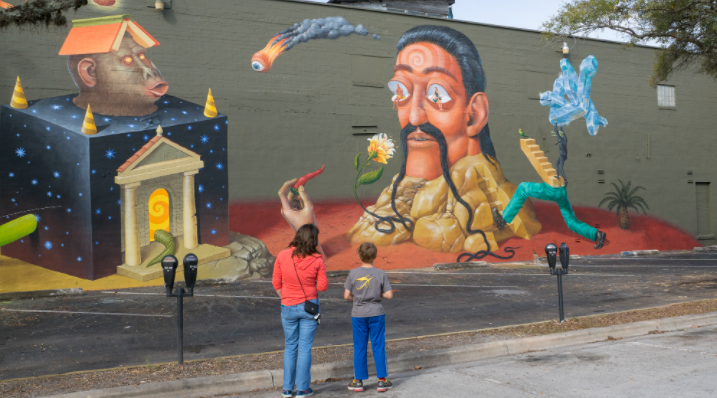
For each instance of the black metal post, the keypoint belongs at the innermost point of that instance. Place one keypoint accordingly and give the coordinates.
(180, 325)
(560, 295)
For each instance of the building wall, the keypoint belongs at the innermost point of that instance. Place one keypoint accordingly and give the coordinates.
(323, 99)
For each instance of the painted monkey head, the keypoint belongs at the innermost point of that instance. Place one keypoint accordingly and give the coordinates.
(118, 83)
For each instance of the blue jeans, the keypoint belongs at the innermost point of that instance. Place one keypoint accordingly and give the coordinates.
(299, 329)
(374, 326)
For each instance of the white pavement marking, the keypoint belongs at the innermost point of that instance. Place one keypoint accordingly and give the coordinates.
(497, 273)
(86, 313)
(664, 347)
(405, 284)
(196, 295)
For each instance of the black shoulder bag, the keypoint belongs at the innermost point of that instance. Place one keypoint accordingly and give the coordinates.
(309, 307)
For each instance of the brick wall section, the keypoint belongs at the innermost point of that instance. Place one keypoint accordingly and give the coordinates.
(300, 114)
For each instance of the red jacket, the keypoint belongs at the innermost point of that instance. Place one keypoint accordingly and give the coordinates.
(311, 270)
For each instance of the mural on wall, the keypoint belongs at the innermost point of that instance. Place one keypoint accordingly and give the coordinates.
(310, 29)
(121, 173)
(450, 195)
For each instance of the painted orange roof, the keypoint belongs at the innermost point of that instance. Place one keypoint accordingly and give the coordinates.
(96, 39)
(144, 149)
(5, 5)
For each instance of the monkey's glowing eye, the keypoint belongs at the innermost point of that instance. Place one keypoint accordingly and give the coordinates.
(142, 57)
(257, 66)
(127, 60)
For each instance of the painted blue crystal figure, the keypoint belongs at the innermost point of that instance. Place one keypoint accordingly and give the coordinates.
(570, 98)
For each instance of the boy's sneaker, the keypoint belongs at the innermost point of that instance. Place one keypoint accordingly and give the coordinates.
(304, 393)
(287, 394)
(384, 385)
(356, 385)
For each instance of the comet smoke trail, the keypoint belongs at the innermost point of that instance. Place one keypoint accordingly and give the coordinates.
(323, 28)
(26, 211)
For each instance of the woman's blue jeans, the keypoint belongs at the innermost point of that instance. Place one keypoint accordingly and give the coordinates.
(299, 329)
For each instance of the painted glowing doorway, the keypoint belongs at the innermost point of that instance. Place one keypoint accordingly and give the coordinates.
(158, 212)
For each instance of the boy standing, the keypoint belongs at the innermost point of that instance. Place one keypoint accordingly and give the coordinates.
(365, 286)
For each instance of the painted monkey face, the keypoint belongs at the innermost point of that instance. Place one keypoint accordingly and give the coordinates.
(428, 88)
(131, 67)
(119, 83)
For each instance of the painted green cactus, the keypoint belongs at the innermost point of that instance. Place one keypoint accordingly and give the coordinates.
(17, 229)
(170, 247)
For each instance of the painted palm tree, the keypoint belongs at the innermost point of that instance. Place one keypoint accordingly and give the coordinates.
(623, 198)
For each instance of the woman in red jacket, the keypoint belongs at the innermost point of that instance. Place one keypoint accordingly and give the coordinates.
(299, 274)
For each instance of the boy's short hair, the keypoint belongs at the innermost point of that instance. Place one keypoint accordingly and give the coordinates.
(367, 252)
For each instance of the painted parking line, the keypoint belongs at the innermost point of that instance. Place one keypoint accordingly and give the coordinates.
(496, 273)
(406, 284)
(196, 295)
(86, 313)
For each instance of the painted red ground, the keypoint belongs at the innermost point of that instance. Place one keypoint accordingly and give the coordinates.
(264, 221)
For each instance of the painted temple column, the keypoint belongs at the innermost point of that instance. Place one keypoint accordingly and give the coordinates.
(132, 255)
(190, 211)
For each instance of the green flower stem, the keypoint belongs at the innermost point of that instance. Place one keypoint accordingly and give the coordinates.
(371, 156)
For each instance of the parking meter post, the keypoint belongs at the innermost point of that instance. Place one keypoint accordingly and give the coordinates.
(560, 295)
(180, 326)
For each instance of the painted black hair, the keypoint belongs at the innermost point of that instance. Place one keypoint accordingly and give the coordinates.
(464, 51)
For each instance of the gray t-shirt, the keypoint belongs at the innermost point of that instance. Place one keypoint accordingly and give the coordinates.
(366, 285)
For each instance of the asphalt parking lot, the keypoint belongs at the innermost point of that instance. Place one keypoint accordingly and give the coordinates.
(103, 329)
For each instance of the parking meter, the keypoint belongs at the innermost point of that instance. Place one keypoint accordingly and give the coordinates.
(190, 270)
(564, 256)
(169, 268)
(551, 251)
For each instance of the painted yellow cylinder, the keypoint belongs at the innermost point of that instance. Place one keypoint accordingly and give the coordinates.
(17, 229)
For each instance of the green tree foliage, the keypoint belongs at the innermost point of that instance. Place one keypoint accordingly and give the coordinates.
(685, 29)
(39, 12)
(623, 198)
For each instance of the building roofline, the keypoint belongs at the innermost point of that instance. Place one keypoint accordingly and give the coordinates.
(464, 22)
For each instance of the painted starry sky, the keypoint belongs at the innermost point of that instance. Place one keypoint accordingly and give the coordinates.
(50, 169)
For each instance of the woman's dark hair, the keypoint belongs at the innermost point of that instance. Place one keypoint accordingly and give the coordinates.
(305, 241)
(464, 51)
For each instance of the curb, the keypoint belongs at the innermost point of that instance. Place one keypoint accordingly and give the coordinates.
(41, 293)
(268, 379)
(333, 274)
(706, 249)
(640, 253)
(469, 265)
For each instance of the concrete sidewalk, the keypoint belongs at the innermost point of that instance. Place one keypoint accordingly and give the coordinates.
(230, 384)
(675, 364)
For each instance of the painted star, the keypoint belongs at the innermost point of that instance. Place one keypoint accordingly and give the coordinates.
(216, 127)
(47, 228)
(48, 245)
(20, 152)
(37, 218)
(55, 107)
(119, 202)
(69, 210)
(74, 117)
(11, 174)
(214, 232)
(107, 119)
(204, 139)
(201, 188)
(209, 205)
(189, 127)
(48, 147)
(79, 258)
(47, 128)
(146, 138)
(220, 166)
(56, 174)
(110, 153)
(98, 211)
(49, 194)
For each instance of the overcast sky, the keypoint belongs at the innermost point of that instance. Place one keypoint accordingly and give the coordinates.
(527, 14)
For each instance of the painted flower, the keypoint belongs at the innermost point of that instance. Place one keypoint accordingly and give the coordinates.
(382, 146)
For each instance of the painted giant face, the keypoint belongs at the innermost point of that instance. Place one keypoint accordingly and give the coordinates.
(428, 88)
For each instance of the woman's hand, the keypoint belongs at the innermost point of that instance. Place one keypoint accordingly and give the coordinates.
(296, 217)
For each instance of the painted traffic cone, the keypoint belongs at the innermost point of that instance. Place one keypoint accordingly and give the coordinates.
(210, 109)
(88, 125)
(18, 97)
